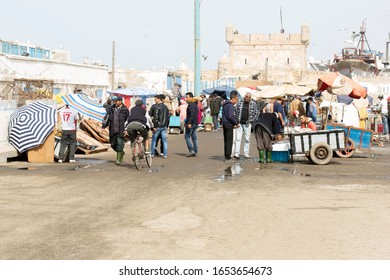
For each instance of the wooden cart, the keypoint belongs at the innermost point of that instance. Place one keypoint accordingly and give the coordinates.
(356, 138)
(318, 146)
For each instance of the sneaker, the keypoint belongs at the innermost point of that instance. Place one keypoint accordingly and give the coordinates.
(190, 154)
(72, 161)
(60, 161)
(236, 156)
(247, 156)
(165, 157)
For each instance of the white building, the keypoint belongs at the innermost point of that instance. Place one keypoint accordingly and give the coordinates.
(24, 66)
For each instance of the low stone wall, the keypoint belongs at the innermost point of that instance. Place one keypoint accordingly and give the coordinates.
(7, 107)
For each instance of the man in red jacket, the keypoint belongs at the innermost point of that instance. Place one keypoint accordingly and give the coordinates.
(307, 122)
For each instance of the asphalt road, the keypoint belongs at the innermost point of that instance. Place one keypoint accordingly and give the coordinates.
(196, 208)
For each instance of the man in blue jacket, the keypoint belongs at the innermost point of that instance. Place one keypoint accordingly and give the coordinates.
(229, 122)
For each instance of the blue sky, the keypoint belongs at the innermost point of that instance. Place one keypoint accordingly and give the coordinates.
(161, 33)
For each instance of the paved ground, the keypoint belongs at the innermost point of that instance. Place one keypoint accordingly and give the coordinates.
(193, 208)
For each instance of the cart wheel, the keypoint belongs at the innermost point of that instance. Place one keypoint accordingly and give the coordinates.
(321, 153)
(348, 151)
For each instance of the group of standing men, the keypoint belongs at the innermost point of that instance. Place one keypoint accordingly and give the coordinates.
(240, 115)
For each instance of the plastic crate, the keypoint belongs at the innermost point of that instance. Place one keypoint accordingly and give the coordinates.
(174, 121)
(281, 156)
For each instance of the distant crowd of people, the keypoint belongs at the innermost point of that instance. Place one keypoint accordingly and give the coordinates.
(238, 117)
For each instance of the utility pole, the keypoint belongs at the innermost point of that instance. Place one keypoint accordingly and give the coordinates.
(197, 79)
(113, 67)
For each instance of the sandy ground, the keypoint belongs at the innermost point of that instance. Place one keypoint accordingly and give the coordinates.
(196, 208)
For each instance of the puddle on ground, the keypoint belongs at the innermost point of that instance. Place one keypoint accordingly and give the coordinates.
(27, 168)
(83, 164)
(293, 172)
(86, 161)
(79, 167)
(283, 168)
(230, 173)
(154, 170)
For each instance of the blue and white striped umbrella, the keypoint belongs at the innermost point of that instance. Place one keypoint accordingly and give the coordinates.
(30, 125)
(85, 105)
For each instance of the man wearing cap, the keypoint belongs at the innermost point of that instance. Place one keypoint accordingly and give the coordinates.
(116, 118)
(138, 122)
(69, 119)
(383, 107)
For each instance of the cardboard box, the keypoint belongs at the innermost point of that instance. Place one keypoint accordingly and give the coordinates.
(44, 153)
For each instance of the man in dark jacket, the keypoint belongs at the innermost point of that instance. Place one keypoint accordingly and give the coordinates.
(116, 118)
(229, 122)
(160, 118)
(215, 107)
(266, 126)
(138, 123)
(191, 125)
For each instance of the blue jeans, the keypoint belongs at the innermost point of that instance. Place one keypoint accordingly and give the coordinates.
(215, 121)
(385, 124)
(191, 133)
(164, 139)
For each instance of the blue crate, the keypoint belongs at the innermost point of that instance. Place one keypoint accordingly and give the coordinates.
(281, 156)
(174, 121)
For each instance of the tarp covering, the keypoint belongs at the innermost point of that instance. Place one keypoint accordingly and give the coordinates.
(85, 105)
(141, 92)
(222, 91)
(282, 91)
(339, 84)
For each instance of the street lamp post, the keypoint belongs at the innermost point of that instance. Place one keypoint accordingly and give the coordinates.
(197, 78)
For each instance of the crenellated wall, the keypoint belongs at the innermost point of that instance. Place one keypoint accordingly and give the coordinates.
(274, 56)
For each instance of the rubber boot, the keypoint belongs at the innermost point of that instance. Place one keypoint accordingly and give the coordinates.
(119, 158)
(269, 156)
(261, 156)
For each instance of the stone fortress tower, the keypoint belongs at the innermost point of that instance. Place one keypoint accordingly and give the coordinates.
(269, 57)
